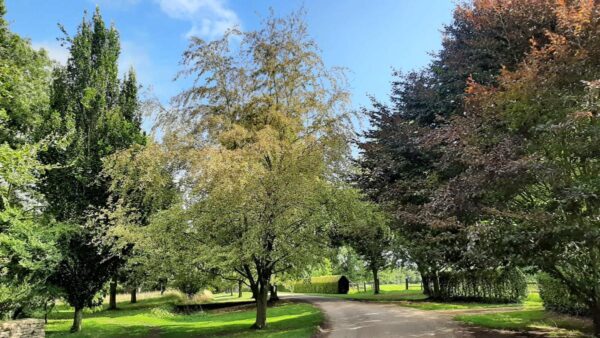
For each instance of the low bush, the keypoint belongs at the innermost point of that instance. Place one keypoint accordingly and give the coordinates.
(197, 298)
(556, 297)
(323, 284)
(492, 286)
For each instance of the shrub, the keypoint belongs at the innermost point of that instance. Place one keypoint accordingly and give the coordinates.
(197, 298)
(188, 283)
(497, 285)
(556, 297)
(323, 284)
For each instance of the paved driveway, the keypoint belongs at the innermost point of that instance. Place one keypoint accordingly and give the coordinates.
(354, 319)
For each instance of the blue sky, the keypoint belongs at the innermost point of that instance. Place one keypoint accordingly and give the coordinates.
(367, 37)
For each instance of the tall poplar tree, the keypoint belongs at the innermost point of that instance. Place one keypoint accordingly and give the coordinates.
(104, 114)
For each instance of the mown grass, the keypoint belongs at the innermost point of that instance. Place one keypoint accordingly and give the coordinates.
(531, 316)
(414, 298)
(392, 292)
(153, 317)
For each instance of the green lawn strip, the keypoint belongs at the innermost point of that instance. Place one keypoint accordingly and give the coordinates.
(153, 317)
(533, 302)
(417, 300)
(385, 295)
(226, 297)
(530, 320)
(438, 306)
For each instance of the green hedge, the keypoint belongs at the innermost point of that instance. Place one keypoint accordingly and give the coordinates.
(557, 297)
(493, 286)
(323, 284)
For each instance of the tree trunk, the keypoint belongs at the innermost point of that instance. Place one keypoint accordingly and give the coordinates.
(425, 283)
(134, 296)
(163, 285)
(77, 318)
(112, 302)
(261, 306)
(436, 286)
(240, 289)
(596, 319)
(274, 297)
(375, 281)
(17, 313)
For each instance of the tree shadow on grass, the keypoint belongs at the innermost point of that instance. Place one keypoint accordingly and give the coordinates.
(127, 309)
(290, 320)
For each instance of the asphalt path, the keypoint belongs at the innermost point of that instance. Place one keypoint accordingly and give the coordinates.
(356, 319)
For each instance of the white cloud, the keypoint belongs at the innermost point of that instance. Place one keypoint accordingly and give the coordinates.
(54, 49)
(209, 18)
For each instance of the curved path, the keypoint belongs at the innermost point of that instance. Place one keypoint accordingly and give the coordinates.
(354, 319)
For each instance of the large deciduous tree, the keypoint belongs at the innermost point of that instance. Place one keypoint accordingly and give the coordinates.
(264, 133)
(422, 170)
(537, 153)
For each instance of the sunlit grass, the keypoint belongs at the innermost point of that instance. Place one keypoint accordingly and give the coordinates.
(531, 316)
(153, 316)
(391, 292)
(414, 298)
(531, 320)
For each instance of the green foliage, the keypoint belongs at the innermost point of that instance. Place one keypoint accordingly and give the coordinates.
(189, 280)
(558, 297)
(24, 88)
(321, 284)
(262, 136)
(366, 228)
(98, 114)
(28, 252)
(501, 285)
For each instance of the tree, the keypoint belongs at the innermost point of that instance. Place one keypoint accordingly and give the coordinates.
(264, 132)
(537, 148)
(364, 227)
(373, 243)
(142, 184)
(416, 161)
(484, 37)
(28, 254)
(88, 95)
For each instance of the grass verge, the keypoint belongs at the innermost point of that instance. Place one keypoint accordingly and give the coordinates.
(552, 324)
(531, 316)
(414, 298)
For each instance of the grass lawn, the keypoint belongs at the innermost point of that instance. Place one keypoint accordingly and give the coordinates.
(152, 317)
(531, 317)
(392, 292)
(414, 298)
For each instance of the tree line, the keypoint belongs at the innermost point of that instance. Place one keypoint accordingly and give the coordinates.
(488, 157)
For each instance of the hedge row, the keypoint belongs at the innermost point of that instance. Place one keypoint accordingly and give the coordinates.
(557, 297)
(497, 286)
(323, 284)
